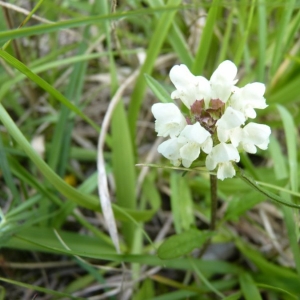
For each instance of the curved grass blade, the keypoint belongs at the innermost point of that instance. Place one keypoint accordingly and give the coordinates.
(46, 86)
(265, 192)
(40, 289)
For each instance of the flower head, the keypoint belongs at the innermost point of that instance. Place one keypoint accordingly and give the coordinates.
(218, 112)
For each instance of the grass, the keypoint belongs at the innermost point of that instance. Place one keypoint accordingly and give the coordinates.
(70, 66)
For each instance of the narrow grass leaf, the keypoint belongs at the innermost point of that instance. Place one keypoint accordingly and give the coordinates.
(157, 89)
(262, 39)
(276, 289)
(281, 34)
(159, 35)
(243, 42)
(249, 289)
(225, 41)
(6, 173)
(183, 243)
(182, 203)
(278, 158)
(46, 86)
(291, 143)
(265, 192)
(60, 146)
(207, 34)
(235, 296)
(206, 282)
(77, 22)
(39, 289)
(176, 38)
(65, 189)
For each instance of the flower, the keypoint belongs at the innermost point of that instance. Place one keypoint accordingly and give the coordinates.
(169, 119)
(170, 150)
(230, 120)
(194, 137)
(249, 97)
(222, 81)
(189, 87)
(222, 156)
(216, 122)
(251, 136)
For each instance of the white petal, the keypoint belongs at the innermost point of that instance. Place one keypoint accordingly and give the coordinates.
(225, 170)
(252, 93)
(248, 147)
(231, 119)
(186, 163)
(248, 98)
(257, 88)
(223, 134)
(210, 163)
(222, 153)
(169, 120)
(222, 81)
(181, 76)
(236, 135)
(227, 69)
(195, 133)
(190, 151)
(186, 84)
(258, 134)
(203, 91)
(170, 149)
(207, 145)
(249, 112)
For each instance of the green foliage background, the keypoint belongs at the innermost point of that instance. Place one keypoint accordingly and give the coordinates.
(57, 77)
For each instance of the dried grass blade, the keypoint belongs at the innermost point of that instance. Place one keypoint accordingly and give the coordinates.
(102, 178)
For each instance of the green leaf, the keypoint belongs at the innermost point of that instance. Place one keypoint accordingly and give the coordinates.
(265, 192)
(206, 37)
(291, 142)
(182, 203)
(158, 37)
(183, 243)
(40, 289)
(249, 288)
(46, 86)
(157, 89)
(235, 296)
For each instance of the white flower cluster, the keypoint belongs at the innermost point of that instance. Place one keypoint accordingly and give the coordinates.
(216, 123)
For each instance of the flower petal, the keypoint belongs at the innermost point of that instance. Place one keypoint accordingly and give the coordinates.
(231, 119)
(249, 97)
(222, 153)
(225, 170)
(189, 88)
(207, 145)
(190, 151)
(222, 81)
(255, 135)
(195, 133)
(170, 149)
(169, 120)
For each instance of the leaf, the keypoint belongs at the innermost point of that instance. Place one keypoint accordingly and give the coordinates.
(181, 244)
(157, 89)
(249, 288)
(265, 192)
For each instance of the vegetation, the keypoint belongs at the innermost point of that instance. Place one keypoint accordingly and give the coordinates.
(78, 80)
